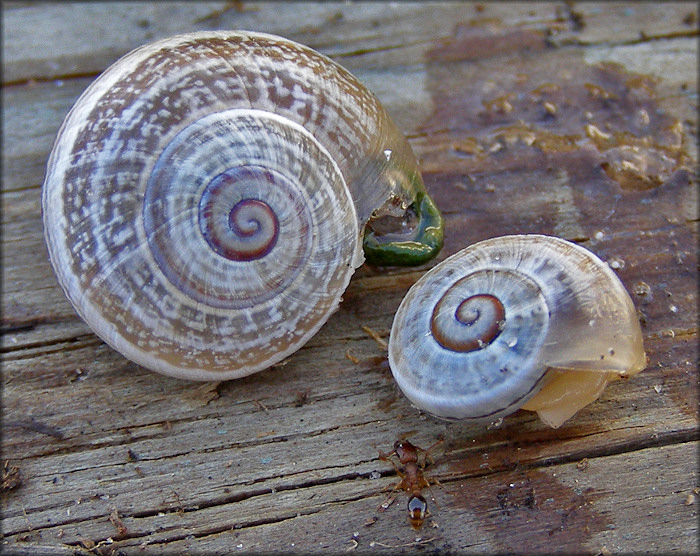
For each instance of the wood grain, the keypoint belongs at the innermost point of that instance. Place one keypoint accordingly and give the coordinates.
(101, 456)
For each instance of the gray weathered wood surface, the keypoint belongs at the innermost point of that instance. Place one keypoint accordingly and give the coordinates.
(498, 100)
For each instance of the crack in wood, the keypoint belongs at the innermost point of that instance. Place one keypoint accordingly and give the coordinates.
(66, 344)
(221, 501)
(23, 82)
(671, 438)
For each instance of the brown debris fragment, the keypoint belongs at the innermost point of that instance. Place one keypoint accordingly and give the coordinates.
(87, 543)
(596, 91)
(203, 394)
(117, 522)
(550, 108)
(237, 5)
(467, 145)
(300, 398)
(178, 502)
(11, 477)
(500, 105)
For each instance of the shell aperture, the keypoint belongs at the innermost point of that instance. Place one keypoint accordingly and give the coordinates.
(206, 196)
(420, 242)
(517, 321)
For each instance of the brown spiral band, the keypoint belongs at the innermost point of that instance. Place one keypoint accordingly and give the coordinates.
(240, 229)
(474, 324)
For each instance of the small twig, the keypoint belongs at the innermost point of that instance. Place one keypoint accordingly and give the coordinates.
(118, 523)
(181, 508)
(24, 513)
(351, 357)
(376, 337)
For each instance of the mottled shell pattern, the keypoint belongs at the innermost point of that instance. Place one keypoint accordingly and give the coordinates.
(528, 321)
(206, 198)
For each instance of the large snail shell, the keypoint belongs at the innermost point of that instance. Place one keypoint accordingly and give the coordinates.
(206, 196)
(525, 321)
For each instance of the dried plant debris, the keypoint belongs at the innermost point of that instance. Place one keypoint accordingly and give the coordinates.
(11, 477)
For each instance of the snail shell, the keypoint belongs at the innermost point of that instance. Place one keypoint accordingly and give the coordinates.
(206, 197)
(528, 321)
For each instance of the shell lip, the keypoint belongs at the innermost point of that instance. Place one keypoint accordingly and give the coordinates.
(421, 245)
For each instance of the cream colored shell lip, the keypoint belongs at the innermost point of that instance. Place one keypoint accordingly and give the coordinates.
(568, 328)
(160, 156)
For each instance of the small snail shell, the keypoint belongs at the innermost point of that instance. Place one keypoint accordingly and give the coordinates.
(205, 200)
(527, 321)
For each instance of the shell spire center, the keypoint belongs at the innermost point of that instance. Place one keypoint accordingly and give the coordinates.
(472, 325)
(236, 224)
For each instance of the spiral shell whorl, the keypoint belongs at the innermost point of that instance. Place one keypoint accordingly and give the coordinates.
(475, 336)
(463, 354)
(197, 232)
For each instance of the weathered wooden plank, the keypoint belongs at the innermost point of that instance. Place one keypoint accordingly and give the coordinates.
(439, 151)
(629, 22)
(33, 114)
(583, 505)
(337, 29)
(80, 47)
(163, 431)
(112, 457)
